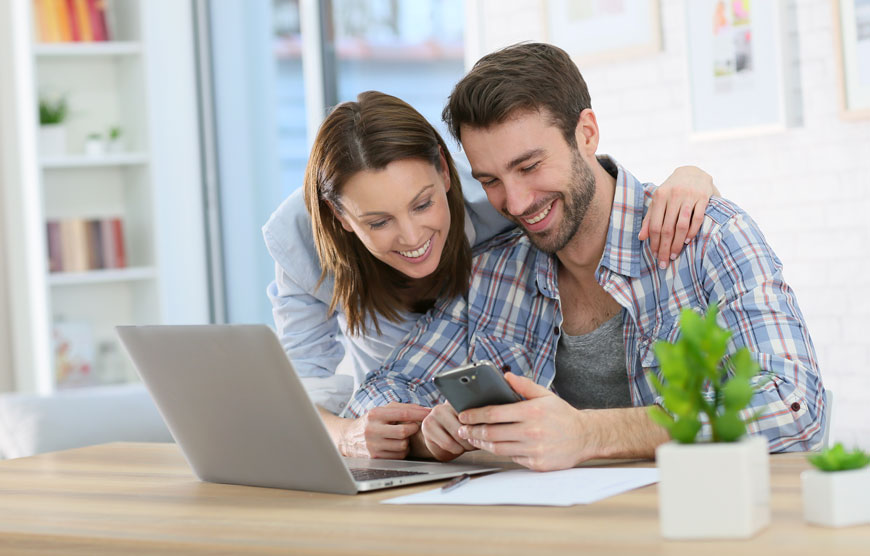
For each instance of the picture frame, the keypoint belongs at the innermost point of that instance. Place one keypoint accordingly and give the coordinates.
(852, 44)
(595, 31)
(738, 70)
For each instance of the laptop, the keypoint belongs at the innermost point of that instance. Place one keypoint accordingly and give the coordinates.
(240, 415)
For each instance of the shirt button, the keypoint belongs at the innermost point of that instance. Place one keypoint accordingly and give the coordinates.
(795, 406)
(556, 330)
(506, 369)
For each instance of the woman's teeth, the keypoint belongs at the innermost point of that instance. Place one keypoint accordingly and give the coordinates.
(541, 215)
(417, 252)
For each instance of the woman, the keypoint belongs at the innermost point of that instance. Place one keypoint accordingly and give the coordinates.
(389, 232)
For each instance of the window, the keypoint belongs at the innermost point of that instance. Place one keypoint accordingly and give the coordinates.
(409, 48)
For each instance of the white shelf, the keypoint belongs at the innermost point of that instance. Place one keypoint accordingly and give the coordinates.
(131, 274)
(85, 161)
(85, 49)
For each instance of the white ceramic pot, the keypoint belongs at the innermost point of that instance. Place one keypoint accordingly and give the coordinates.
(709, 491)
(52, 140)
(836, 498)
(95, 146)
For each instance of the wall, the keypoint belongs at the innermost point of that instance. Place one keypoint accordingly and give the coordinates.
(807, 187)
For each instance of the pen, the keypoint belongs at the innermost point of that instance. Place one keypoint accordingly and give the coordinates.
(455, 483)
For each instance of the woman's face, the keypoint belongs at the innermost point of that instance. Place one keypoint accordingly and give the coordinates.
(400, 214)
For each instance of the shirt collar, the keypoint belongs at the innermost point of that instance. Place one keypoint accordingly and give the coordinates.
(622, 251)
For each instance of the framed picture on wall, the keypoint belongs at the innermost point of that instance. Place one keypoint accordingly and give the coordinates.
(852, 35)
(593, 31)
(738, 75)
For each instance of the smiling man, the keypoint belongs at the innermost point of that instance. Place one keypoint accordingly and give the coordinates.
(572, 302)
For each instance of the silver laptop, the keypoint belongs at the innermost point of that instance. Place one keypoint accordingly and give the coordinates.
(240, 414)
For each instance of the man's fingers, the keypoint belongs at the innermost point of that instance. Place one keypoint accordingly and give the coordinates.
(506, 413)
(511, 432)
(526, 387)
(435, 434)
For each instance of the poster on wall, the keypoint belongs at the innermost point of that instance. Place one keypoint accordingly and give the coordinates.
(593, 31)
(853, 44)
(736, 67)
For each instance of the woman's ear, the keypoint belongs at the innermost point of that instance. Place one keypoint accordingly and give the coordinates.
(445, 170)
(338, 216)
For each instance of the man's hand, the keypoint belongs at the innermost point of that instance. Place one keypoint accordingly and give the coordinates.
(383, 432)
(543, 432)
(676, 212)
(440, 433)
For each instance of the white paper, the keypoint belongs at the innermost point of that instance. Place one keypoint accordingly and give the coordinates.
(522, 487)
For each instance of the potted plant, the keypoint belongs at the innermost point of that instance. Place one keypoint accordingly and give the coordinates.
(719, 488)
(94, 145)
(115, 143)
(52, 131)
(835, 493)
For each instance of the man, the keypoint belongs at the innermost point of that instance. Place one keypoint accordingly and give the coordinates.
(575, 301)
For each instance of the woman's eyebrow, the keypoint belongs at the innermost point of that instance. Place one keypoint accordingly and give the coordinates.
(413, 201)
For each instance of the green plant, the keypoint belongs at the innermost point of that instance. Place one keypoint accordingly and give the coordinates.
(115, 133)
(94, 135)
(52, 112)
(696, 381)
(837, 458)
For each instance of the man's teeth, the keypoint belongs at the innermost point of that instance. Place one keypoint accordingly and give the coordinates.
(418, 252)
(541, 215)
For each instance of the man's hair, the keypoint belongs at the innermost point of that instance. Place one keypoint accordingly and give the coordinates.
(369, 134)
(522, 77)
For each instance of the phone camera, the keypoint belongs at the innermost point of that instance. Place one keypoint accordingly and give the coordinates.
(464, 379)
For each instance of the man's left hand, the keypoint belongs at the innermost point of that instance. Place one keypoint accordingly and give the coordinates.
(543, 432)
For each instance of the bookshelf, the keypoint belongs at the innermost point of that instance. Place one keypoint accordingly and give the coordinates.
(141, 80)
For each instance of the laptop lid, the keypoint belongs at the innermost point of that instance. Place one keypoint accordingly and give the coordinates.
(240, 414)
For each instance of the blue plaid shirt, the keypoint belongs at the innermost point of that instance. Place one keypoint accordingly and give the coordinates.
(512, 316)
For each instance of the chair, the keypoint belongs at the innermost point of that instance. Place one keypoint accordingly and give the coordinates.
(829, 411)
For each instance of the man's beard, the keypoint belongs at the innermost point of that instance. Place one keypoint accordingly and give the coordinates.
(576, 203)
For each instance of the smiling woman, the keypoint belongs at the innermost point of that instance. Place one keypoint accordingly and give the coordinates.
(387, 211)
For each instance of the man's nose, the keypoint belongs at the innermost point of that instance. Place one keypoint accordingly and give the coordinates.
(518, 197)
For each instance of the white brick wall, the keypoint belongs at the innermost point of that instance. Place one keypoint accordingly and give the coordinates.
(807, 187)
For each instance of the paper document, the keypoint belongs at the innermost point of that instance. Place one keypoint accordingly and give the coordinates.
(531, 488)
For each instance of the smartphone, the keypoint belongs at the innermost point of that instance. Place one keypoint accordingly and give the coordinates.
(476, 385)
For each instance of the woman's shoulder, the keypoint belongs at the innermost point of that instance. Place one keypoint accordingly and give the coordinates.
(290, 242)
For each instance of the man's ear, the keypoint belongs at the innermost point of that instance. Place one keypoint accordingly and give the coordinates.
(445, 171)
(586, 132)
(338, 216)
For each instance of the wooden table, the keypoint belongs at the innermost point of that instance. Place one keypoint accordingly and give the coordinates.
(133, 499)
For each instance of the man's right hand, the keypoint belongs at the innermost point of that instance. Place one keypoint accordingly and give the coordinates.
(384, 432)
(440, 433)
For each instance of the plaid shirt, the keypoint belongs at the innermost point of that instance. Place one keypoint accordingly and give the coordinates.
(512, 316)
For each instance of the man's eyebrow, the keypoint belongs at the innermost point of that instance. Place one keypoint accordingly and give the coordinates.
(413, 202)
(512, 164)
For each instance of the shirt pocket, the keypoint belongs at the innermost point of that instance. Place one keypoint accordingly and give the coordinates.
(506, 355)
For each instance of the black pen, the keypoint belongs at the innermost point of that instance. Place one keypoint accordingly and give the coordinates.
(455, 483)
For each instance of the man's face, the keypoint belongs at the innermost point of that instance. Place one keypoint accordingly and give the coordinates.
(533, 176)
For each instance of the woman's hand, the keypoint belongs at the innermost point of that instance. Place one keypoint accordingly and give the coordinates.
(677, 212)
(384, 432)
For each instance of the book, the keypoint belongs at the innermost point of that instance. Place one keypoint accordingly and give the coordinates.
(107, 244)
(118, 240)
(75, 31)
(55, 253)
(84, 20)
(63, 20)
(97, 15)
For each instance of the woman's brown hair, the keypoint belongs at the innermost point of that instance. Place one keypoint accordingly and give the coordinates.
(369, 134)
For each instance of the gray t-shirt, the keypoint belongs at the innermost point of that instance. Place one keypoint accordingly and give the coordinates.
(590, 368)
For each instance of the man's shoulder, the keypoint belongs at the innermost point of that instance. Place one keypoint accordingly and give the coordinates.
(721, 210)
(511, 242)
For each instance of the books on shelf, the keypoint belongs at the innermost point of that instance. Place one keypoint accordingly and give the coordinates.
(80, 245)
(70, 20)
